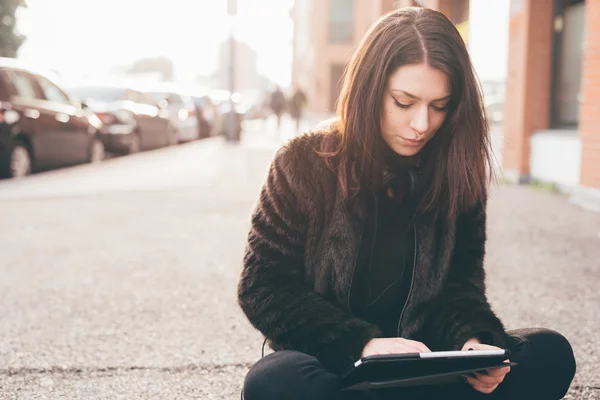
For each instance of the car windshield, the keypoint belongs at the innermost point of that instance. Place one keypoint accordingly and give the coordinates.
(171, 98)
(157, 96)
(203, 101)
(106, 94)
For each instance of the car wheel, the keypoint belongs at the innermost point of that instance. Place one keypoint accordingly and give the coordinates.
(173, 138)
(97, 152)
(20, 161)
(203, 129)
(135, 144)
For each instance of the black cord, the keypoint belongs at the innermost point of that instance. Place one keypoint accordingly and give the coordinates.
(263, 348)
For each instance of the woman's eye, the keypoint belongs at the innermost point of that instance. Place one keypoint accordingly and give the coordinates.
(398, 104)
(440, 109)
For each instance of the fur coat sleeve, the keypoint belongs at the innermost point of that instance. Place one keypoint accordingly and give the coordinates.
(272, 290)
(461, 310)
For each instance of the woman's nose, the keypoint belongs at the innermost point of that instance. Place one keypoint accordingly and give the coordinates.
(420, 121)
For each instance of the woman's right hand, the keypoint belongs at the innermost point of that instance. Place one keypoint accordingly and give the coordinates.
(393, 346)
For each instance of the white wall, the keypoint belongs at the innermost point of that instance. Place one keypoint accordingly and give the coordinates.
(488, 38)
(556, 157)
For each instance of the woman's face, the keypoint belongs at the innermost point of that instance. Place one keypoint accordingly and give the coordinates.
(415, 105)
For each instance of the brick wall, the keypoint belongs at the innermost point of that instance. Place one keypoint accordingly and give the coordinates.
(528, 82)
(589, 117)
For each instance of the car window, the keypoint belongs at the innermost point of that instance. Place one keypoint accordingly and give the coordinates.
(203, 101)
(98, 93)
(22, 83)
(157, 96)
(52, 92)
(144, 99)
(174, 98)
(132, 95)
(171, 98)
(140, 98)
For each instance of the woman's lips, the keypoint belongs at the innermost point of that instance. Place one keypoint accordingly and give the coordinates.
(413, 143)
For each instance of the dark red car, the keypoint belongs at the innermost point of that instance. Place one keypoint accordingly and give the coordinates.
(41, 127)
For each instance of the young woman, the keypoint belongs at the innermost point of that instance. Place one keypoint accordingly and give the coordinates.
(369, 237)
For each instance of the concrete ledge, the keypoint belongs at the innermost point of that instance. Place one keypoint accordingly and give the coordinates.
(586, 197)
(556, 157)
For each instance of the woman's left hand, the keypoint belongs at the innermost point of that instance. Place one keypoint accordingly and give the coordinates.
(488, 381)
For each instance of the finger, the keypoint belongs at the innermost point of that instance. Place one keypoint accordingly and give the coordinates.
(478, 382)
(408, 346)
(420, 346)
(397, 348)
(483, 389)
(489, 380)
(481, 346)
(498, 371)
(475, 383)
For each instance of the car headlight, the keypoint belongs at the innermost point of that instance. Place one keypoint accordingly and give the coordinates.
(183, 114)
(9, 116)
(94, 121)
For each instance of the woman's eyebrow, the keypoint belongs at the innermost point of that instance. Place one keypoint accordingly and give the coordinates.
(417, 97)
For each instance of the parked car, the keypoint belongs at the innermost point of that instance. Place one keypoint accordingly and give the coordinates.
(41, 127)
(132, 120)
(182, 114)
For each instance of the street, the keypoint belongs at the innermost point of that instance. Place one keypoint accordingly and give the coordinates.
(119, 279)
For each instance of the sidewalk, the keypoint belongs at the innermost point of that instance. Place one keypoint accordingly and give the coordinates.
(132, 294)
(264, 133)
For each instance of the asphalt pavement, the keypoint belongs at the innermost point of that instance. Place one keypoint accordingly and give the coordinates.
(118, 279)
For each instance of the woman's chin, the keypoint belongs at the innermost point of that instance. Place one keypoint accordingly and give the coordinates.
(407, 151)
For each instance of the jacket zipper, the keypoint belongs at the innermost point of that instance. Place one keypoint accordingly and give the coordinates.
(412, 279)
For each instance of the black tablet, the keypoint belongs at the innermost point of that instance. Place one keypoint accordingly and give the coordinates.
(415, 369)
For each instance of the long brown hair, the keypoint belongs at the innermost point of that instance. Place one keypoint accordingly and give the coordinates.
(457, 161)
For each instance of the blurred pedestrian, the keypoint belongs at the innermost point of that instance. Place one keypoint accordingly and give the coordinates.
(369, 237)
(297, 103)
(278, 104)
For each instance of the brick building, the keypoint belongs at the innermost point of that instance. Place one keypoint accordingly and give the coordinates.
(552, 109)
(325, 35)
(550, 97)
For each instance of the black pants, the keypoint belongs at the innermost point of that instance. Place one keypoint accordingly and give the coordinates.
(545, 371)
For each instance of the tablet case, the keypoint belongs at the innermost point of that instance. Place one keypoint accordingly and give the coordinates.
(401, 370)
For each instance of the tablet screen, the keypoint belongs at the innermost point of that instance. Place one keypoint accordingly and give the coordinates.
(435, 355)
(470, 353)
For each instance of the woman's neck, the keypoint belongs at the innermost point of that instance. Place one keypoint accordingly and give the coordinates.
(394, 161)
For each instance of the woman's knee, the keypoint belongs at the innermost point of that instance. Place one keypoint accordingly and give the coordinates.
(290, 375)
(548, 356)
(550, 344)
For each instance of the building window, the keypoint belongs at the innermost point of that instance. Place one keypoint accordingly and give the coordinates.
(569, 18)
(341, 21)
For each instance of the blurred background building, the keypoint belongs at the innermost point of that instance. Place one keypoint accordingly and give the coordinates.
(246, 67)
(537, 61)
(325, 34)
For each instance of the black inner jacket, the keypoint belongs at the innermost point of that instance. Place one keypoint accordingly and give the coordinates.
(385, 260)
